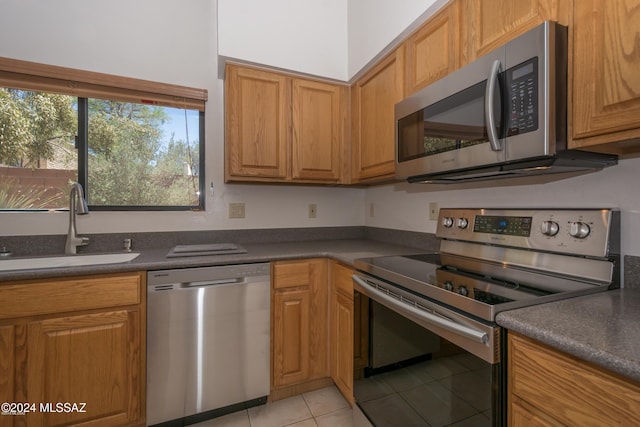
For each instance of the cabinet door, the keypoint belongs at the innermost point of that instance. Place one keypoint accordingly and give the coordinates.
(606, 87)
(373, 124)
(290, 337)
(342, 324)
(432, 51)
(94, 359)
(318, 126)
(494, 22)
(300, 321)
(257, 130)
(342, 343)
(7, 370)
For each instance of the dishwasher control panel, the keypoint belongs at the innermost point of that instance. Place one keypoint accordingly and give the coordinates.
(166, 280)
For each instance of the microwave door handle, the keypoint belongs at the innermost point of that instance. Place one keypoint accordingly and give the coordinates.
(489, 118)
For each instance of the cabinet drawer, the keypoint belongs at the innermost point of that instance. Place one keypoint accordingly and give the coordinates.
(31, 298)
(570, 390)
(291, 274)
(341, 279)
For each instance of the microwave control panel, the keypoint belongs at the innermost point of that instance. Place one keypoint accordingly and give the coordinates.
(522, 88)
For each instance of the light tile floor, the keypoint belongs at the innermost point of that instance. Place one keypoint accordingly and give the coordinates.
(321, 408)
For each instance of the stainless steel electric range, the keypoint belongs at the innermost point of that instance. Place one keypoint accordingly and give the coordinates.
(489, 260)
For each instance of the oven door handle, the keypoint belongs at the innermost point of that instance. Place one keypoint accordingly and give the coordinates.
(414, 312)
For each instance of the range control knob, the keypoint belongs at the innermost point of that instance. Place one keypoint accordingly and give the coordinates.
(550, 228)
(463, 223)
(579, 230)
(447, 222)
(448, 286)
(462, 290)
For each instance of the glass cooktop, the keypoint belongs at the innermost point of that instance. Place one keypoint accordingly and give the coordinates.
(426, 276)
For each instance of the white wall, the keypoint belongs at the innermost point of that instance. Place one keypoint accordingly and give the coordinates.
(175, 41)
(373, 24)
(406, 206)
(303, 36)
(171, 41)
(328, 38)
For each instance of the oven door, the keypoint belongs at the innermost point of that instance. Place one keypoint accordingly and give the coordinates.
(462, 381)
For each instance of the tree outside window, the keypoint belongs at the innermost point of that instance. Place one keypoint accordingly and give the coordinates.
(137, 156)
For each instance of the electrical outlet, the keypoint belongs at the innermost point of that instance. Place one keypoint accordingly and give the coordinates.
(236, 210)
(372, 210)
(433, 211)
(313, 210)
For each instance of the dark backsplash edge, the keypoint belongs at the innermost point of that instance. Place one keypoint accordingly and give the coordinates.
(113, 242)
(632, 272)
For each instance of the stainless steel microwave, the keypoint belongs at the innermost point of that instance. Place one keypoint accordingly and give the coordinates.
(503, 115)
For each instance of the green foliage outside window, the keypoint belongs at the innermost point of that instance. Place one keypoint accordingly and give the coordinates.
(131, 159)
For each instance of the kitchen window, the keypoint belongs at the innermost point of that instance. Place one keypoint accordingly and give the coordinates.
(132, 144)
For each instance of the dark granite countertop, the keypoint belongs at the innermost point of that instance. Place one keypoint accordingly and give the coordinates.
(602, 328)
(156, 259)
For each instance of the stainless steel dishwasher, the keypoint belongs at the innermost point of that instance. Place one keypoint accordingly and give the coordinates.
(207, 341)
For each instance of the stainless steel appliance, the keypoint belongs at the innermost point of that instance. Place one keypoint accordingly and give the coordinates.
(394, 338)
(490, 260)
(207, 341)
(503, 115)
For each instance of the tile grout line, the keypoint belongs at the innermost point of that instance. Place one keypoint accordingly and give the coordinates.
(313, 417)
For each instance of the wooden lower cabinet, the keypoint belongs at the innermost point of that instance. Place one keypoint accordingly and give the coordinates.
(319, 328)
(7, 369)
(93, 358)
(312, 327)
(291, 337)
(550, 388)
(300, 333)
(342, 333)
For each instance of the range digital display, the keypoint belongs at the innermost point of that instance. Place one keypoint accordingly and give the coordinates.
(506, 225)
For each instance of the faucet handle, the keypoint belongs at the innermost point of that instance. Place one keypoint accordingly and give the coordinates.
(84, 241)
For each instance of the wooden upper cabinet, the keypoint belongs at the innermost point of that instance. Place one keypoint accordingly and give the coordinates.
(432, 52)
(606, 86)
(373, 98)
(256, 125)
(491, 23)
(318, 130)
(281, 128)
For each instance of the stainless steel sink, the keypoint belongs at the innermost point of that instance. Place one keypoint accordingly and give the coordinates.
(64, 261)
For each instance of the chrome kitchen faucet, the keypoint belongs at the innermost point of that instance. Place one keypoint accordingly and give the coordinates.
(73, 241)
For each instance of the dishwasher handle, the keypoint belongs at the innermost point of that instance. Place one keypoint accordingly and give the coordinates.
(204, 283)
